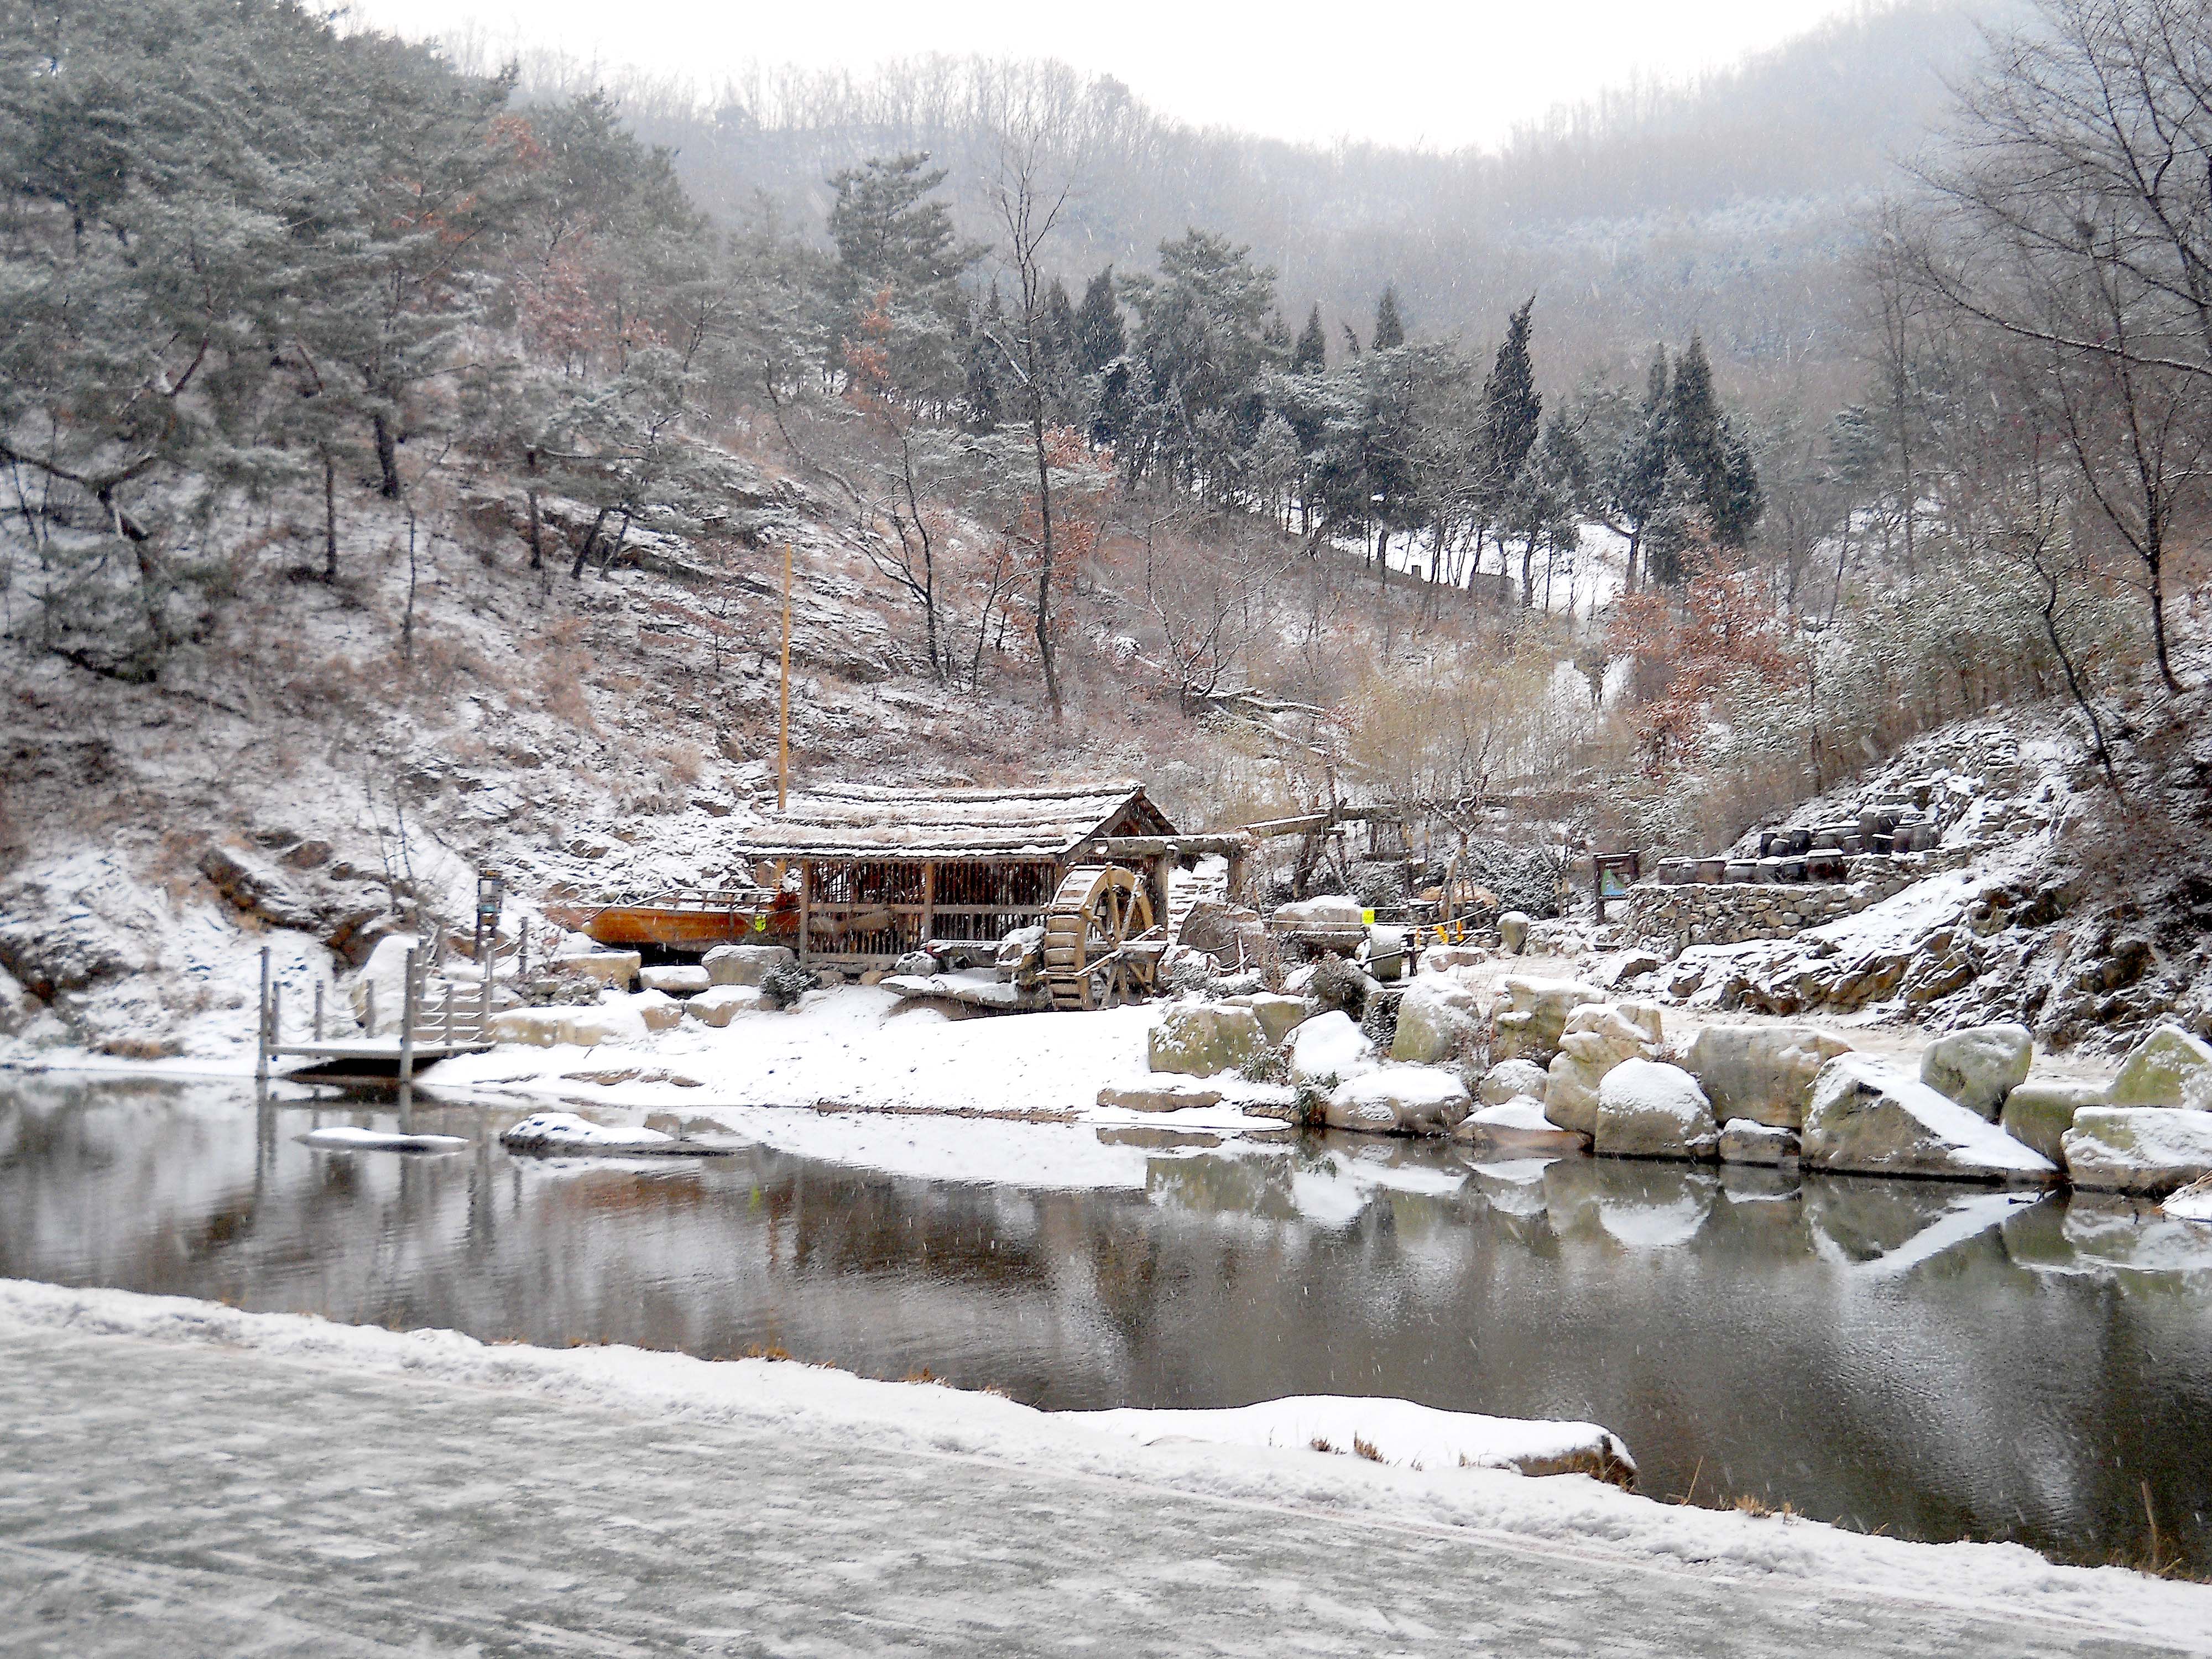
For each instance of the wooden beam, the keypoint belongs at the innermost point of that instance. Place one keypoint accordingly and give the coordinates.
(805, 899)
(1153, 847)
(928, 904)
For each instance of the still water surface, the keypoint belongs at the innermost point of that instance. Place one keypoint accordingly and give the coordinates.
(1938, 1362)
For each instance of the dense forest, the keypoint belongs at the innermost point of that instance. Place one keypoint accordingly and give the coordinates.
(302, 281)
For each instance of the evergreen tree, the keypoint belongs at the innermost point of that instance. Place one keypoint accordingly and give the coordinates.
(1693, 423)
(1099, 337)
(1390, 328)
(1738, 501)
(984, 359)
(1511, 414)
(1636, 473)
(893, 237)
(1310, 354)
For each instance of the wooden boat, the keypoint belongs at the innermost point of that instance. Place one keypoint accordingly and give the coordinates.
(685, 921)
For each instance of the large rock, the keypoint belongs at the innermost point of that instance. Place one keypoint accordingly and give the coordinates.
(1597, 1038)
(1867, 1119)
(615, 969)
(2039, 1114)
(2154, 1149)
(1517, 1128)
(1278, 1015)
(675, 982)
(18, 1007)
(1329, 1049)
(607, 1023)
(1979, 1067)
(1509, 1079)
(717, 1007)
(1229, 933)
(1438, 1019)
(1327, 914)
(658, 1010)
(1020, 956)
(1405, 1100)
(1513, 930)
(744, 964)
(1161, 1097)
(1763, 1073)
(1449, 958)
(1529, 1025)
(1746, 1140)
(2169, 1067)
(537, 1028)
(1646, 1108)
(1201, 1039)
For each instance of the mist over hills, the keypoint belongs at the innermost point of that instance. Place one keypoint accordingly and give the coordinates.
(1729, 204)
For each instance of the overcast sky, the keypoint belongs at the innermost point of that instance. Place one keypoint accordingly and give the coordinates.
(1444, 76)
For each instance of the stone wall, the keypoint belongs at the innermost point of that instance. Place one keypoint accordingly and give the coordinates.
(1668, 917)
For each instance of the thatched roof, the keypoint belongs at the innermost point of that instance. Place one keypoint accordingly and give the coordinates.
(1040, 821)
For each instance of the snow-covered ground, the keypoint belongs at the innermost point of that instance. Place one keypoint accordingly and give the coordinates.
(306, 1487)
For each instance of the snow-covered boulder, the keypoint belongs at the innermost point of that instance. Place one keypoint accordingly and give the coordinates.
(1329, 913)
(2169, 1067)
(2139, 1149)
(1647, 1109)
(1020, 955)
(2039, 1114)
(1509, 1079)
(1867, 1119)
(917, 964)
(675, 982)
(722, 1004)
(658, 1010)
(1201, 1039)
(615, 969)
(606, 1022)
(1404, 1100)
(1329, 1049)
(1438, 1019)
(745, 964)
(1449, 958)
(1746, 1140)
(1597, 1037)
(1278, 1015)
(1763, 1073)
(537, 1028)
(1529, 1025)
(1979, 1067)
(565, 1132)
(1517, 1128)
(1159, 1097)
(1513, 930)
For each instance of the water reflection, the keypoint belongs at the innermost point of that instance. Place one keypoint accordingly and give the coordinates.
(1940, 1361)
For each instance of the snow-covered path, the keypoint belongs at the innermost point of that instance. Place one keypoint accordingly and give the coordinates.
(189, 1499)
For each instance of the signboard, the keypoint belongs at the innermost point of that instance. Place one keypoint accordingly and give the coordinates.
(1612, 874)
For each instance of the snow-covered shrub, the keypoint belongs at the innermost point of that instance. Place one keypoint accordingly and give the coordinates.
(1337, 983)
(783, 985)
(1380, 1021)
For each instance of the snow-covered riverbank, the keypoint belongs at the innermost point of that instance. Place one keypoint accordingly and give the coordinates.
(677, 1481)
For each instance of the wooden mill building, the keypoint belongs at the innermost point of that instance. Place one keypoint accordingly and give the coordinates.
(884, 871)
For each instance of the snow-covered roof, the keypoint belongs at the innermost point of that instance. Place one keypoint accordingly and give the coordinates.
(1039, 821)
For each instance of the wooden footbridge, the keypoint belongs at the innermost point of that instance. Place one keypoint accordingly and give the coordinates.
(419, 1037)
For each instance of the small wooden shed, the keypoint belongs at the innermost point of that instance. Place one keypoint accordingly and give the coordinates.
(884, 871)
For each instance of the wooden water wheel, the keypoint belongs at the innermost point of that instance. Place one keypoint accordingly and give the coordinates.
(1092, 958)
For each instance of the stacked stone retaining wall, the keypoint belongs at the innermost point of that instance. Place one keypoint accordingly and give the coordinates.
(1669, 917)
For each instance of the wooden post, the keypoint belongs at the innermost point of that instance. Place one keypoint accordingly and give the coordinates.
(805, 903)
(319, 1011)
(407, 1021)
(484, 1000)
(1160, 877)
(261, 1041)
(276, 1015)
(368, 1008)
(446, 1033)
(929, 907)
(522, 968)
(783, 721)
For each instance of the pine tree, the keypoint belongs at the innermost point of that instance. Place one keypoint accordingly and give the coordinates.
(984, 363)
(1693, 424)
(1511, 414)
(1099, 335)
(1636, 474)
(1389, 327)
(1310, 354)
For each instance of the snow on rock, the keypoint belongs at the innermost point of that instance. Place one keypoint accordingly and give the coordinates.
(1405, 1100)
(2169, 1067)
(1203, 1039)
(656, 1010)
(536, 1028)
(1326, 912)
(615, 969)
(1279, 1015)
(1438, 1019)
(1763, 1073)
(2038, 1114)
(1387, 1431)
(612, 1023)
(343, 1138)
(1518, 1127)
(1867, 1119)
(385, 971)
(2139, 1149)
(1596, 1039)
(1534, 1015)
(1746, 1140)
(564, 1132)
(745, 964)
(1647, 1109)
(1329, 1049)
(720, 1004)
(1510, 1080)
(1979, 1067)
(675, 982)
